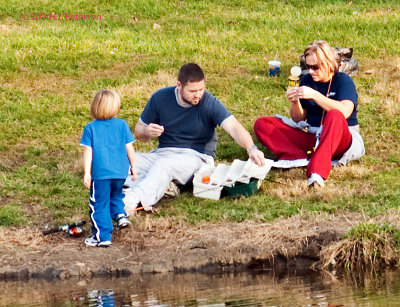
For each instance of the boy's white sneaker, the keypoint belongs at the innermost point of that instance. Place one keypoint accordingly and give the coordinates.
(92, 241)
(122, 221)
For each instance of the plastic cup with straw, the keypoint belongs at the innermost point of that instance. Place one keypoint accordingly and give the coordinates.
(274, 66)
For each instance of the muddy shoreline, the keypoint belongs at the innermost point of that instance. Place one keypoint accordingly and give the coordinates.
(160, 246)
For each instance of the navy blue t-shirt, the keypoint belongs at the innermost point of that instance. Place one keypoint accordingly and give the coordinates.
(342, 88)
(185, 127)
(108, 139)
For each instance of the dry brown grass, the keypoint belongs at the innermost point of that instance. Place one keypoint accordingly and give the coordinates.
(27, 236)
(382, 144)
(293, 183)
(284, 236)
(47, 83)
(118, 70)
(164, 240)
(353, 254)
(6, 29)
(148, 85)
(66, 86)
(386, 72)
(352, 170)
(370, 245)
(9, 26)
(11, 159)
(390, 216)
(289, 183)
(379, 12)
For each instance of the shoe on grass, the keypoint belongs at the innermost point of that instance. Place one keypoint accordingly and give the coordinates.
(122, 221)
(172, 190)
(92, 241)
(316, 180)
(131, 201)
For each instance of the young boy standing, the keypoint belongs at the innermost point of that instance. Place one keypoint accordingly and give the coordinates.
(108, 154)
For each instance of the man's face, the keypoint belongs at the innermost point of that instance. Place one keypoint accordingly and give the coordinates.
(192, 92)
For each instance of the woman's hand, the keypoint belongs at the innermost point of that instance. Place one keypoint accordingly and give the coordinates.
(297, 113)
(305, 92)
(292, 95)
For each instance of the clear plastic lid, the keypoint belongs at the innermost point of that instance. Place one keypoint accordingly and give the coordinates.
(295, 71)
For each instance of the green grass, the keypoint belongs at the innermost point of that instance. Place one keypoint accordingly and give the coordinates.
(366, 247)
(50, 69)
(365, 231)
(11, 215)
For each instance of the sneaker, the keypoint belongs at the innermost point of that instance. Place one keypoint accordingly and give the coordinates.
(92, 241)
(316, 179)
(122, 221)
(172, 191)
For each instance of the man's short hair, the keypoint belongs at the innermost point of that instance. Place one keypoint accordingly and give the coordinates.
(190, 72)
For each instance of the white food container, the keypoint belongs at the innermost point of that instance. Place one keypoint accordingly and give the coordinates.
(227, 175)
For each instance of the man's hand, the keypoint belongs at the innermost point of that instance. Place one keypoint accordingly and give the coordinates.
(154, 130)
(257, 156)
(243, 138)
(145, 133)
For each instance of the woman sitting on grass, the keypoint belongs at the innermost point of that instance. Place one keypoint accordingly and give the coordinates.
(327, 101)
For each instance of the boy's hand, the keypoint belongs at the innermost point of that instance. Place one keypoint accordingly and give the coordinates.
(134, 174)
(87, 179)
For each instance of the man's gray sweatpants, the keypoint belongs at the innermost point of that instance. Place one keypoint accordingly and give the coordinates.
(159, 167)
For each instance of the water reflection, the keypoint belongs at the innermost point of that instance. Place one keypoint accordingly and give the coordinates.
(250, 289)
(103, 298)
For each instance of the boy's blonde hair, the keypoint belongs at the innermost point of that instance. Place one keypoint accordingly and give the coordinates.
(325, 55)
(105, 105)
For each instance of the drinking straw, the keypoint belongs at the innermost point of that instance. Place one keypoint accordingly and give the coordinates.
(276, 55)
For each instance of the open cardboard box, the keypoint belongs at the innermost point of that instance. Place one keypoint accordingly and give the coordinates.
(224, 175)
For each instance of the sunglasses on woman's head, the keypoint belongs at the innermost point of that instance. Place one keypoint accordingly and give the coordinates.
(314, 67)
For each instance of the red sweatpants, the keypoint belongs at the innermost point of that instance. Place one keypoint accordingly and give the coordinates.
(288, 143)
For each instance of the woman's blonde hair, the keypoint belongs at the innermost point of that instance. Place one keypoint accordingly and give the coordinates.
(325, 55)
(105, 105)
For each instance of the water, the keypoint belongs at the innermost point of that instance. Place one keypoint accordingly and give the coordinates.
(245, 289)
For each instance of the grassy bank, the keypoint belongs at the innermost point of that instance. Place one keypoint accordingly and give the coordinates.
(50, 69)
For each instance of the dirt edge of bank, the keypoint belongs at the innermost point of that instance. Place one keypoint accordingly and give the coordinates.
(160, 246)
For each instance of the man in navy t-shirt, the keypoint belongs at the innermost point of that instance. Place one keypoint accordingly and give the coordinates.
(183, 118)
